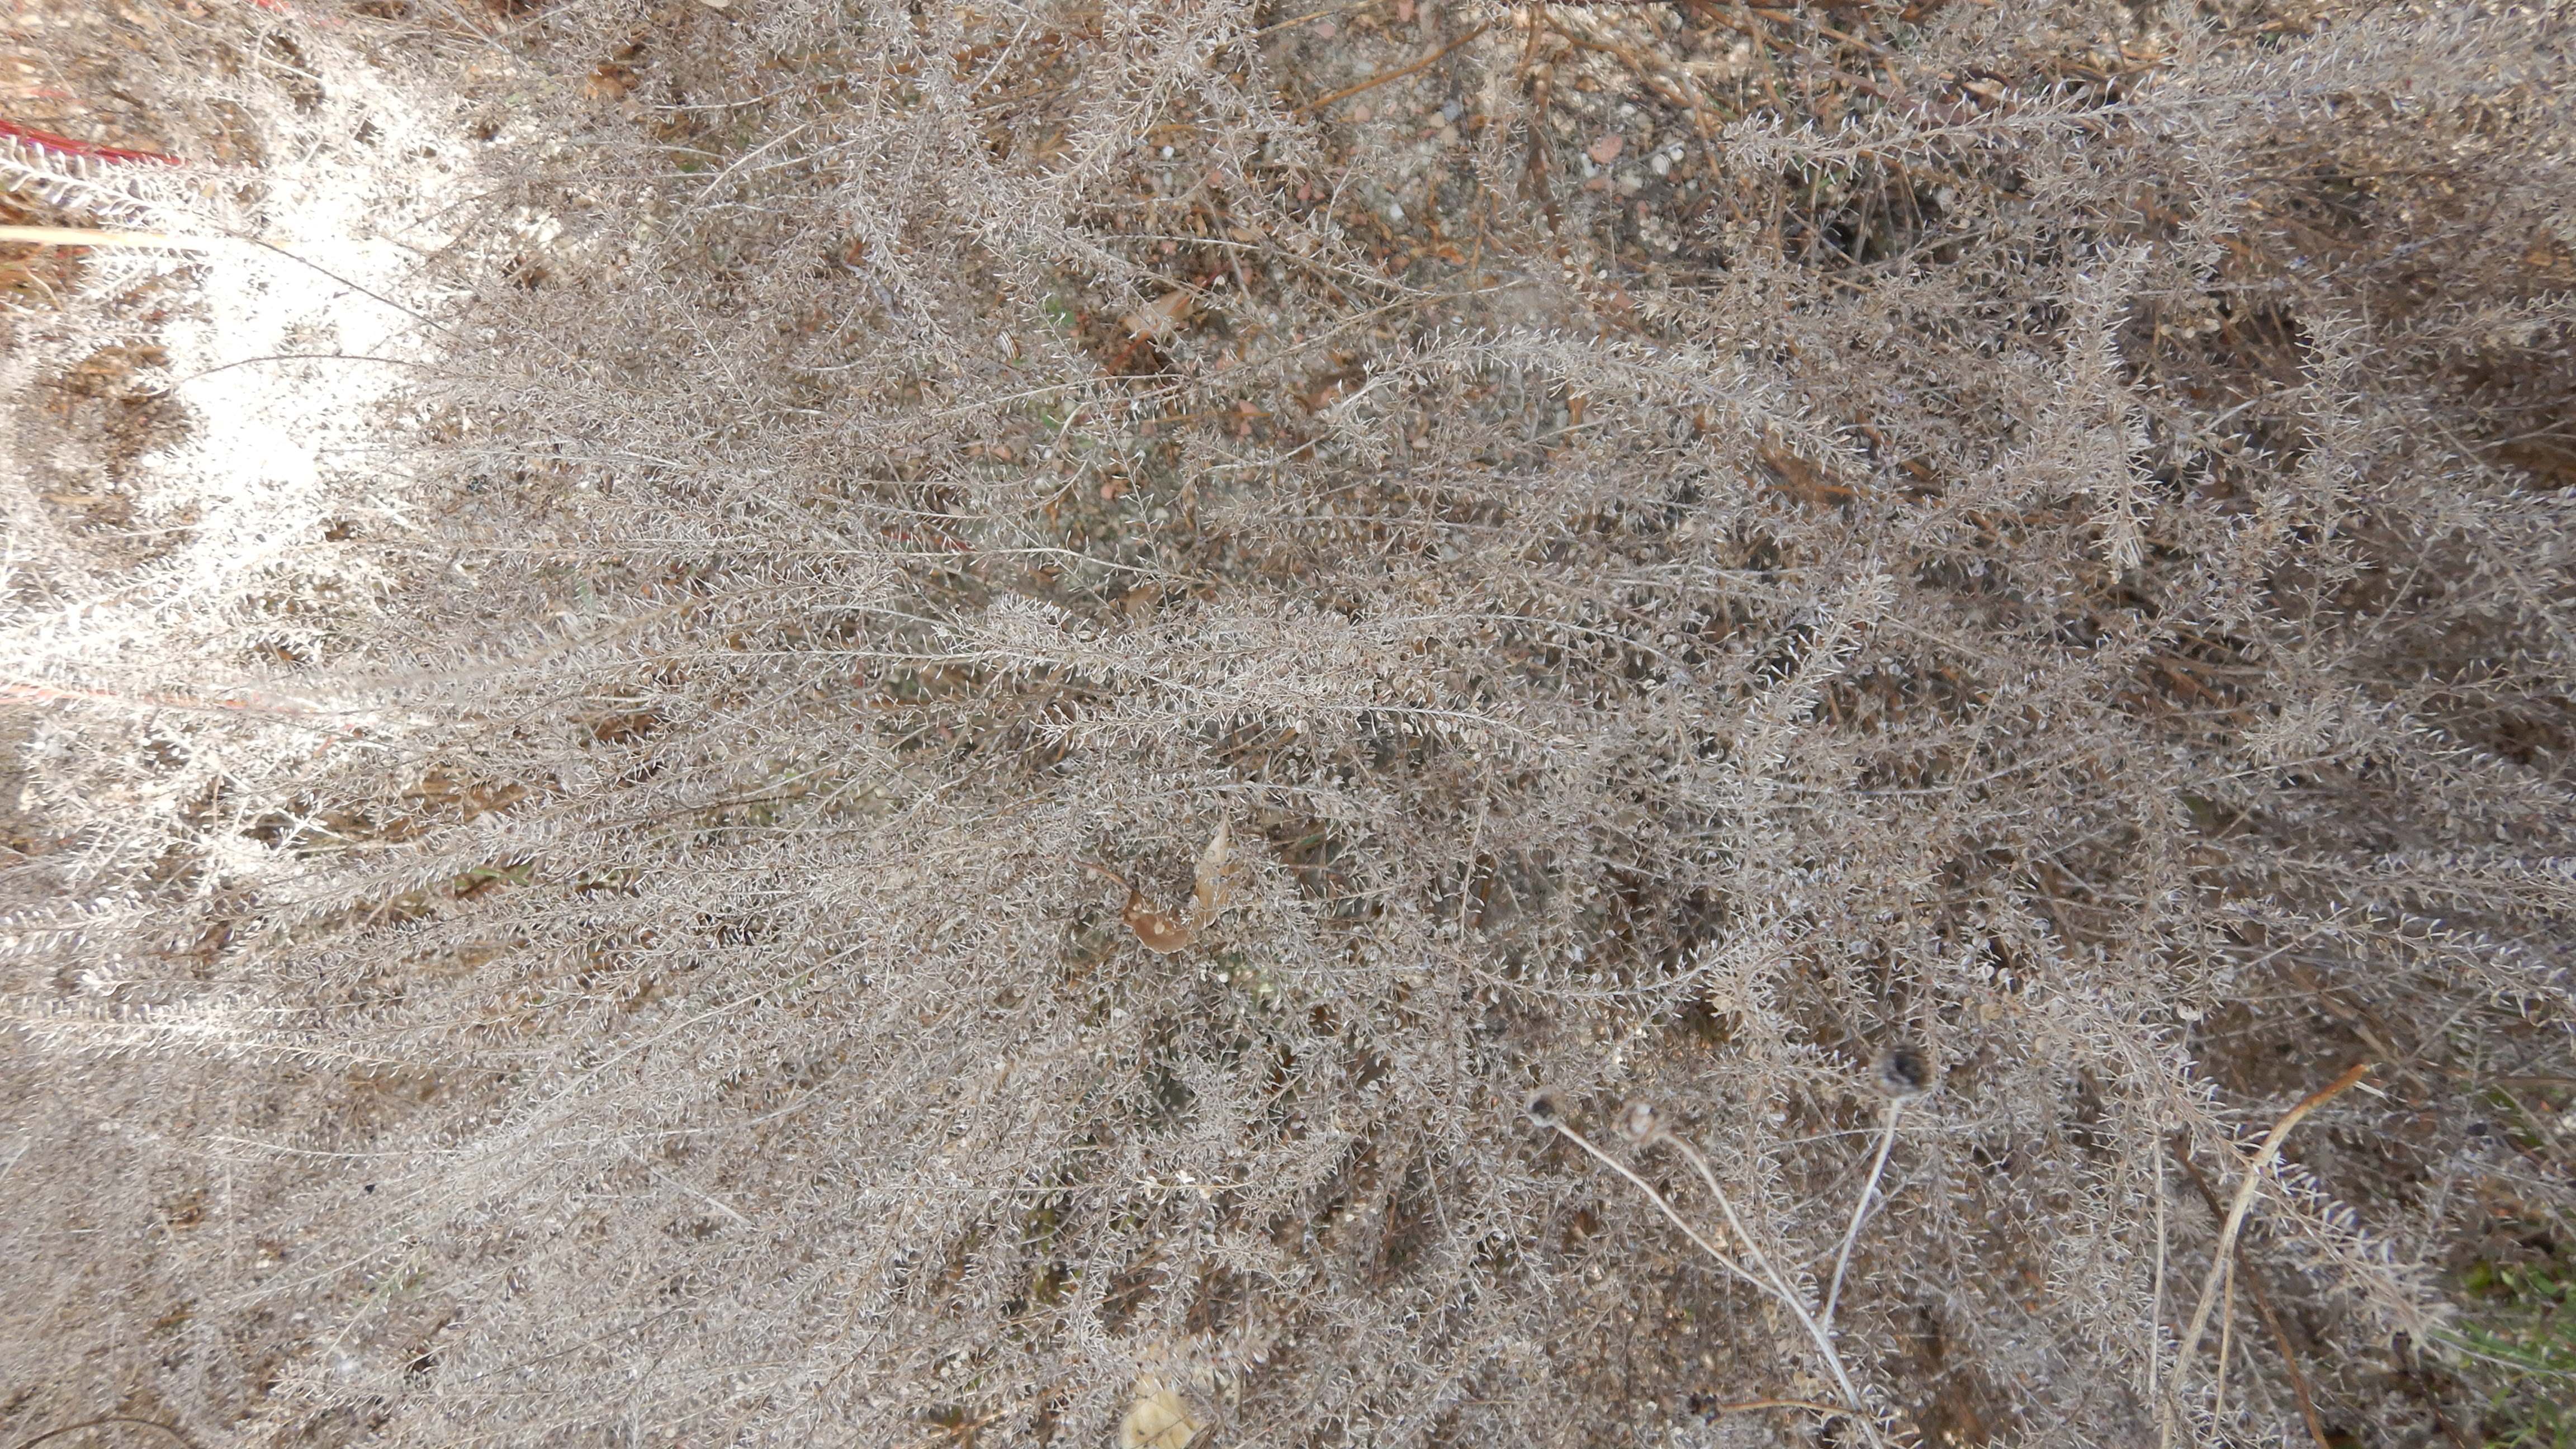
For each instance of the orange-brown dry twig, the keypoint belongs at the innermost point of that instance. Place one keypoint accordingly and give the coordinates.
(1647, 75)
(2236, 1210)
(2263, 1305)
(1808, 1404)
(1373, 82)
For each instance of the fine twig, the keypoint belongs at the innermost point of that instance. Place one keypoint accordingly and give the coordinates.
(1373, 82)
(1860, 1209)
(1310, 16)
(1780, 1287)
(126, 1419)
(1664, 1206)
(2299, 1386)
(1748, 1405)
(2226, 1341)
(2156, 1297)
(82, 236)
(1709, 121)
(2244, 1201)
(1769, 1282)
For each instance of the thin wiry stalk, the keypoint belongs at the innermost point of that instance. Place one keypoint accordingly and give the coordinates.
(1778, 1286)
(1860, 1209)
(2223, 1261)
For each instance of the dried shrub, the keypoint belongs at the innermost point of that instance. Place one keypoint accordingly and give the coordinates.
(1970, 602)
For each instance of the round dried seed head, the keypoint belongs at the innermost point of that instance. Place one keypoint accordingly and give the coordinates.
(1545, 1107)
(1639, 1123)
(1902, 1071)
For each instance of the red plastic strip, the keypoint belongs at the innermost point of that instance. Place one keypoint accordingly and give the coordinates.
(85, 150)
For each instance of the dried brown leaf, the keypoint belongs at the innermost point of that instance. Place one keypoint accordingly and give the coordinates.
(1160, 318)
(1158, 931)
(1209, 891)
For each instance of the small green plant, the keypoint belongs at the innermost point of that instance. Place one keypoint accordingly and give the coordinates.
(2521, 1340)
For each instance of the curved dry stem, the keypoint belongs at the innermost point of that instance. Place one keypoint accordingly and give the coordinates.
(2244, 1201)
(1860, 1209)
(1770, 1280)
